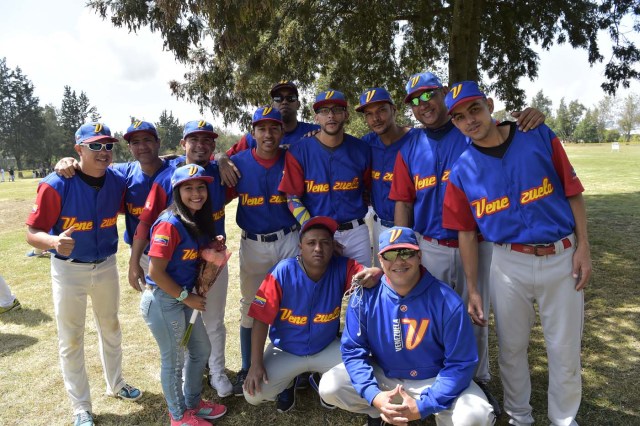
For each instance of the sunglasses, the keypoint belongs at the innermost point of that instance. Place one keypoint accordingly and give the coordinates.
(336, 110)
(289, 98)
(404, 254)
(424, 97)
(97, 146)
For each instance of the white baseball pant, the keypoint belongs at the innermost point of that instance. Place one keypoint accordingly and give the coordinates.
(71, 284)
(282, 367)
(377, 229)
(518, 281)
(470, 408)
(213, 318)
(6, 297)
(445, 264)
(356, 242)
(256, 259)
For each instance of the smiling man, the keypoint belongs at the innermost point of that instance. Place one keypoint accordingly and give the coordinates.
(76, 220)
(407, 347)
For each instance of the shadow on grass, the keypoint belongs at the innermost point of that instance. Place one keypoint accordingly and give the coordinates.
(11, 343)
(25, 316)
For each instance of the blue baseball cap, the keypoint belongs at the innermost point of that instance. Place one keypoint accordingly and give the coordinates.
(398, 237)
(140, 126)
(283, 84)
(373, 95)
(465, 91)
(198, 126)
(266, 113)
(329, 96)
(421, 82)
(94, 132)
(324, 221)
(189, 172)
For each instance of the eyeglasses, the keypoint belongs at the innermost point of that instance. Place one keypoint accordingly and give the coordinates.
(424, 97)
(289, 98)
(336, 110)
(99, 146)
(404, 254)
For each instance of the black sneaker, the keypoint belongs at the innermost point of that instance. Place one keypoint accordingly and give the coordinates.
(492, 399)
(286, 399)
(239, 382)
(374, 421)
(302, 381)
(314, 382)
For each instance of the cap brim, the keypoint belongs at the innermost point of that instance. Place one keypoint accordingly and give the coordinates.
(320, 104)
(362, 107)
(199, 132)
(128, 135)
(277, 87)
(464, 101)
(399, 246)
(207, 179)
(100, 138)
(410, 95)
(324, 221)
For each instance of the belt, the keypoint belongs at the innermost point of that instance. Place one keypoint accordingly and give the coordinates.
(91, 262)
(449, 243)
(269, 238)
(538, 249)
(385, 223)
(350, 225)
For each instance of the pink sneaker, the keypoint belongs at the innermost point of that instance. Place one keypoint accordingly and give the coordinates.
(209, 410)
(189, 418)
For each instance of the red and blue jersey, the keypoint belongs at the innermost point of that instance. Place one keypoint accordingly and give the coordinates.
(421, 174)
(330, 181)
(138, 188)
(262, 209)
(161, 196)
(519, 198)
(383, 159)
(64, 203)
(304, 315)
(425, 334)
(289, 138)
(171, 241)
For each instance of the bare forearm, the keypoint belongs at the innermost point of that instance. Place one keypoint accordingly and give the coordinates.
(468, 241)
(40, 239)
(258, 338)
(580, 216)
(403, 214)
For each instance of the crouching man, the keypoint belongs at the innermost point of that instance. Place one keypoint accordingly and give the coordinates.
(408, 349)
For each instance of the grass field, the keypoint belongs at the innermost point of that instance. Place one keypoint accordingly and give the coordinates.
(32, 392)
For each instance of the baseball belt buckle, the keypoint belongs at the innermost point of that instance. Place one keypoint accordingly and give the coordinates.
(544, 250)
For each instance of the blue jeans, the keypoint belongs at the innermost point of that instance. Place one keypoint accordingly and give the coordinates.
(168, 319)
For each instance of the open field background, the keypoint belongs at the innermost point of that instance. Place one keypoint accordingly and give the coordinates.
(32, 392)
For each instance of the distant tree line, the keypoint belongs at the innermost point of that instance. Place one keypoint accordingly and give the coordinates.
(609, 120)
(37, 136)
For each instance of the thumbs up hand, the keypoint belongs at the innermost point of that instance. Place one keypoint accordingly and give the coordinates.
(64, 243)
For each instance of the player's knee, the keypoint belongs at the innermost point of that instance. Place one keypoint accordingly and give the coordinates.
(255, 399)
(328, 387)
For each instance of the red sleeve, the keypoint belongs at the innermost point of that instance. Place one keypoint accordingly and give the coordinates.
(266, 304)
(353, 267)
(164, 241)
(292, 177)
(45, 218)
(155, 204)
(231, 193)
(239, 146)
(570, 181)
(456, 213)
(402, 187)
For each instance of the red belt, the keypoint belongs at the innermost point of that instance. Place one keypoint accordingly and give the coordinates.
(449, 243)
(540, 249)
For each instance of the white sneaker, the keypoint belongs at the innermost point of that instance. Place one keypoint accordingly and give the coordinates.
(220, 382)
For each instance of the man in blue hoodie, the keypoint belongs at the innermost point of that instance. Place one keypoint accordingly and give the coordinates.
(407, 348)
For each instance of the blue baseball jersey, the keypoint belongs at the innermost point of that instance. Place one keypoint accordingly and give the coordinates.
(304, 315)
(383, 158)
(138, 188)
(519, 198)
(262, 209)
(330, 181)
(161, 196)
(171, 241)
(425, 334)
(248, 142)
(64, 203)
(421, 174)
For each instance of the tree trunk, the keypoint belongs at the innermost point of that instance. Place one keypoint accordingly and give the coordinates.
(464, 48)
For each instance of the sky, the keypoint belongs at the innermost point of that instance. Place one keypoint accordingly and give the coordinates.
(62, 42)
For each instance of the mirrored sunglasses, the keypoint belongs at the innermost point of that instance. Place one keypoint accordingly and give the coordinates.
(424, 97)
(404, 254)
(97, 146)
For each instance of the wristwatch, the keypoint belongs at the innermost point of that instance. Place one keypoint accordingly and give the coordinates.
(183, 295)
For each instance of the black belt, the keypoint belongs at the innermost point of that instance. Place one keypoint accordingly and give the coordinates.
(91, 262)
(385, 223)
(269, 238)
(349, 225)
